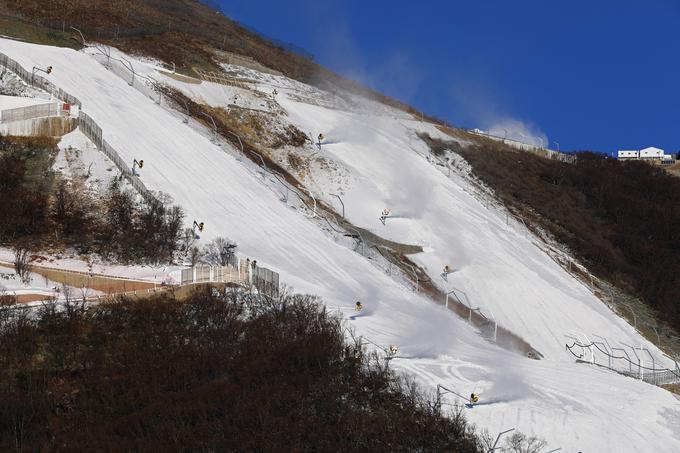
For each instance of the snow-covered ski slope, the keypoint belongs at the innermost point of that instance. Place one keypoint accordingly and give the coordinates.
(573, 406)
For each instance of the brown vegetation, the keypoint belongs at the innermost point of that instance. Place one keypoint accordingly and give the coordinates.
(214, 373)
(291, 136)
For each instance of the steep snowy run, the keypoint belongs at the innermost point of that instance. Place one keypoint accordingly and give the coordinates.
(372, 158)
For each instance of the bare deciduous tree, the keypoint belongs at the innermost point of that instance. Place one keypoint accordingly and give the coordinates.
(22, 263)
(521, 443)
(221, 252)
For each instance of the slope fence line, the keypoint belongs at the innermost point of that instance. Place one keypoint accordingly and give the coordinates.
(538, 150)
(593, 351)
(31, 112)
(244, 273)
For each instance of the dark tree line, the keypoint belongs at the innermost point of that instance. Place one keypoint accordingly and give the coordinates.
(42, 209)
(213, 373)
(621, 218)
(25, 185)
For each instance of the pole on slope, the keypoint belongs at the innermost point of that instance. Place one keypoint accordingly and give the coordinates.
(313, 199)
(590, 347)
(132, 70)
(498, 438)
(158, 87)
(440, 393)
(343, 204)
(630, 362)
(495, 326)
(650, 356)
(607, 348)
(241, 144)
(261, 159)
(416, 276)
(186, 106)
(640, 363)
(81, 35)
(214, 140)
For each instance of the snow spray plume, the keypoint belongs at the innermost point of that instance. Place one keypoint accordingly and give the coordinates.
(476, 101)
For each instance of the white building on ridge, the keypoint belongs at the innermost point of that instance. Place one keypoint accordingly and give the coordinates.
(625, 155)
(650, 154)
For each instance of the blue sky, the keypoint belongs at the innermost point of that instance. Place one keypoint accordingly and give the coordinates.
(600, 75)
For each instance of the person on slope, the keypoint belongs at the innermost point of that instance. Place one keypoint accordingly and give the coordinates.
(474, 398)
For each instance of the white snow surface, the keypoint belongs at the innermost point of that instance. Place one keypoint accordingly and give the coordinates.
(79, 158)
(573, 406)
(13, 102)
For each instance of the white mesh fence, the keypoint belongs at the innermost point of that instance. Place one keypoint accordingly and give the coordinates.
(30, 112)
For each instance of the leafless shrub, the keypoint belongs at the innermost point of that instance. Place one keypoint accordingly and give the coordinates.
(22, 263)
(521, 443)
(518, 442)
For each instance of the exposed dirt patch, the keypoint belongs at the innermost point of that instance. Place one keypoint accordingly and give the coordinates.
(182, 78)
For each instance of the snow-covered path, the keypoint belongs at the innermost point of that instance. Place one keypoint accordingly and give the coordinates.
(573, 406)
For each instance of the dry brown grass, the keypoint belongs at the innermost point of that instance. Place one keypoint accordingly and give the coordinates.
(675, 388)
(673, 169)
(15, 28)
(182, 78)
